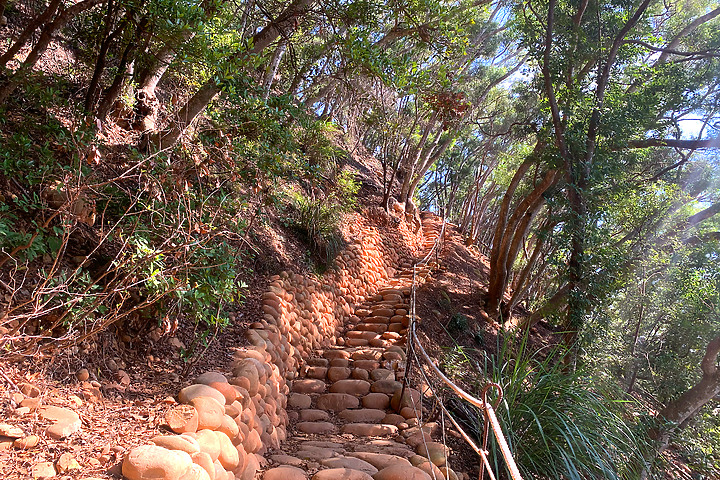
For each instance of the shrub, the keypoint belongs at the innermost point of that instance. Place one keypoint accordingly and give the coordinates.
(317, 217)
(562, 424)
(558, 424)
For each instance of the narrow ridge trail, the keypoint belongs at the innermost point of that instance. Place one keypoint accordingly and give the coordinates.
(318, 394)
(350, 418)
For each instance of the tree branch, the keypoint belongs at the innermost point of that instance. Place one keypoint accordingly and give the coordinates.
(709, 362)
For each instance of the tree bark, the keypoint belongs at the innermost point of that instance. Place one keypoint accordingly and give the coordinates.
(678, 412)
(273, 68)
(45, 37)
(282, 25)
(108, 37)
(509, 233)
(28, 31)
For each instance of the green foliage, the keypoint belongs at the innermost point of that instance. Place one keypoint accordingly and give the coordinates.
(457, 323)
(318, 216)
(562, 424)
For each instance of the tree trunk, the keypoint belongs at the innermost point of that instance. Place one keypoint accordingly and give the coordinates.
(45, 37)
(274, 65)
(411, 163)
(521, 285)
(147, 102)
(678, 412)
(282, 25)
(107, 39)
(28, 31)
(507, 235)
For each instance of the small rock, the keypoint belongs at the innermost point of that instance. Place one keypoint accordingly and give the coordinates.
(182, 418)
(364, 415)
(312, 415)
(308, 385)
(376, 401)
(351, 387)
(83, 375)
(11, 431)
(67, 463)
(210, 412)
(31, 403)
(183, 443)
(3, 21)
(316, 428)
(299, 400)
(286, 460)
(200, 390)
(66, 421)
(369, 429)
(337, 401)
(17, 397)
(26, 443)
(29, 390)
(211, 377)
(401, 472)
(43, 470)
(122, 377)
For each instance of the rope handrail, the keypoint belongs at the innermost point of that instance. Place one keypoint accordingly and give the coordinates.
(483, 404)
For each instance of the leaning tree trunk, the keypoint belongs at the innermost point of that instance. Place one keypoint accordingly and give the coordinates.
(147, 102)
(282, 25)
(272, 70)
(45, 37)
(679, 411)
(508, 236)
(28, 31)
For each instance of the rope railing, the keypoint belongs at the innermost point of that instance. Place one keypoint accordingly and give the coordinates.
(491, 421)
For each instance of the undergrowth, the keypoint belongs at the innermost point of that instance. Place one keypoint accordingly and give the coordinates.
(95, 236)
(558, 423)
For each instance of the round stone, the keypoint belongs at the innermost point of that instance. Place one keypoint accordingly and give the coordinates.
(308, 385)
(363, 415)
(387, 386)
(378, 401)
(337, 402)
(182, 418)
(351, 387)
(435, 451)
(183, 443)
(369, 429)
(316, 428)
(312, 415)
(299, 400)
(200, 390)
(285, 472)
(66, 421)
(401, 472)
(150, 461)
(208, 378)
(210, 412)
(286, 460)
(341, 474)
(338, 373)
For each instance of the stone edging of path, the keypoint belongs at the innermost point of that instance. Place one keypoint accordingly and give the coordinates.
(224, 423)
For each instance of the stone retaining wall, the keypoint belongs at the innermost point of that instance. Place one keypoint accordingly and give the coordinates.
(224, 423)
